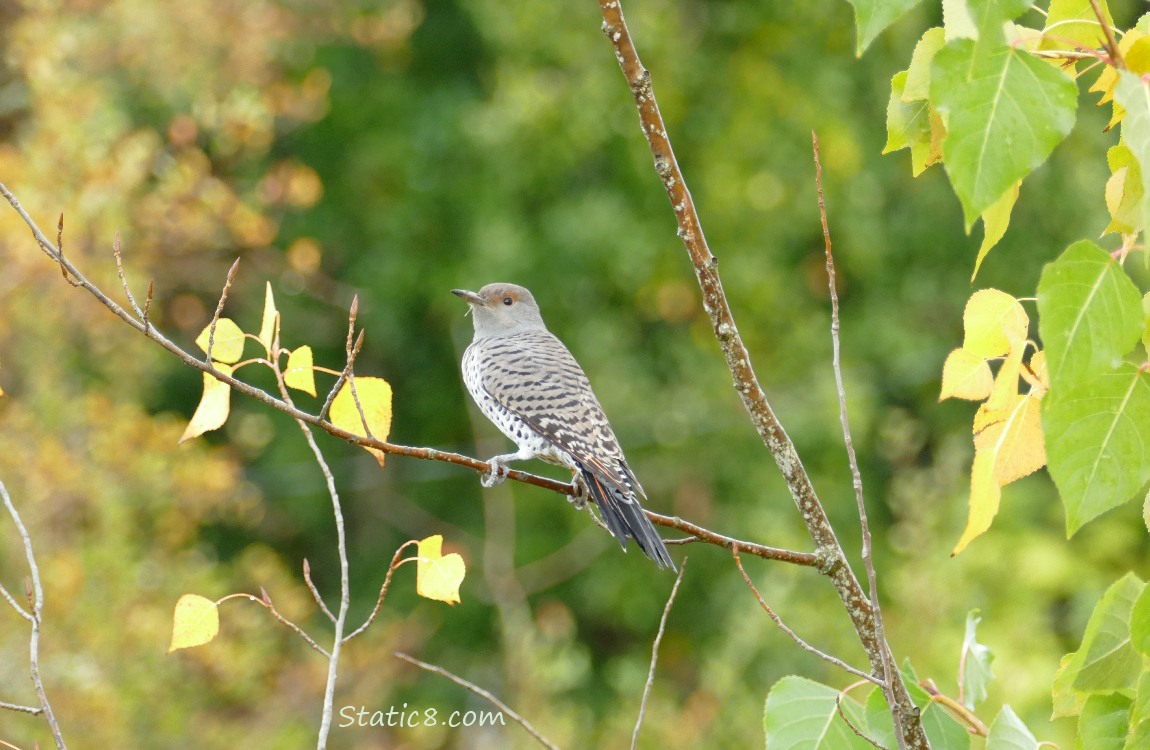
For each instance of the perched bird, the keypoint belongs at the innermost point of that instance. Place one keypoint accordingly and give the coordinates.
(528, 384)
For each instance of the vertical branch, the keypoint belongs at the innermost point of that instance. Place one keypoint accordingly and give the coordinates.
(655, 652)
(856, 475)
(738, 360)
(36, 600)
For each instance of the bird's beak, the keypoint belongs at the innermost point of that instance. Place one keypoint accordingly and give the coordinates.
(471, 298)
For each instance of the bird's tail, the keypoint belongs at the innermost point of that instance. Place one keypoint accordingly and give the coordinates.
(620, 509)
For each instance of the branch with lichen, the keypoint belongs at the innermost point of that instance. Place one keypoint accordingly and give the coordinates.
(832, 560)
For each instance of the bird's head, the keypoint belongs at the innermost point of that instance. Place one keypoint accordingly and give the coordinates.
(502, 310)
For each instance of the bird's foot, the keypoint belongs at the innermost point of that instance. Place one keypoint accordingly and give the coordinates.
(498, 473)
(582, 494)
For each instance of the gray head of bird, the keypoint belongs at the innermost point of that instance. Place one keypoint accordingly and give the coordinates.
(502, 309)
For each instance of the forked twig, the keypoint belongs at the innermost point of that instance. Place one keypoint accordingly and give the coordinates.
(395, 563)
(655, 652)
(481, 693)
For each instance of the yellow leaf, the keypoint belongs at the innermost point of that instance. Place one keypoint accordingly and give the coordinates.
(227, 344)
(375, 398)
(271, 317)
(300, 373)
(1006, 381)
(992, 319)
(965, 375)
(1013, 437)
(995, 220)
(985, 494)
(438, 576)
(196, 621)
(214, 406)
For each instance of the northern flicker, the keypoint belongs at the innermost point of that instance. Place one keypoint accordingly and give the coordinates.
(528, 384)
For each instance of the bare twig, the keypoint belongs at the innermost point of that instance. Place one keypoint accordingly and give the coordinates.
(738, 360)
(481, 693)
(795, 636)
(219, 309)
(655, 652)
(351, 351)
(34, 710)
(849, 723)
(1111, 43)
(36, 603)
(314, 591)
(395, 563)
(698, 533)
(124, 279)
(267, 602)
(856, 475)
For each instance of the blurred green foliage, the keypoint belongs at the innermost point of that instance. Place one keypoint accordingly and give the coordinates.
(401, 149)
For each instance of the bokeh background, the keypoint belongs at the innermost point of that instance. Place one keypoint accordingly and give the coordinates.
(402, 148)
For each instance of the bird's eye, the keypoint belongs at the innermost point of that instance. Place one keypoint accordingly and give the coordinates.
(507, 301)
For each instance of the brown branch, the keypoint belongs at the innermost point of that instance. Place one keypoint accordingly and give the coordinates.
(738, 361)
(427, 454)
(219, 309)
(314, 591)
(481, 693)
(395, 563)
(266, 601)
(1111, 43)
(655, 652)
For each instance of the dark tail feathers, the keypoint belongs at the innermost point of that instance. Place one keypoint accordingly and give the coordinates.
(625, 518)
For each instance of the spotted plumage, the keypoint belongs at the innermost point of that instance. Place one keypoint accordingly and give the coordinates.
(527, 383)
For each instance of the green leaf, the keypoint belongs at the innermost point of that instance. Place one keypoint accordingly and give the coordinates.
(1134, 95)
(1106, 661)
(1089, 314)
(1140, 623)
(873, 16)
(995, 221)
(908, 124)
(801, 713)
(1007, 732)
(1004, 110)
(1138, 733)
(918, 73)
(976, 674)
(1103, 723)
(990, 17)
(1124, 191)
(1073, 21)
(1098, 441)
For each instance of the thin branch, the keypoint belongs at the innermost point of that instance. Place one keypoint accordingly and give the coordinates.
(481, 693)
(219, 309)
(698, 533)
(795, 636)
(427, 454)
(849, 723)
(314, 591)
(34, 710)
(36, 602)
(395, 563)
(15, 604)
(655, 652)
(124, 279)
(1111, 44)
(267, 602)
(856, 475)
(832, 559)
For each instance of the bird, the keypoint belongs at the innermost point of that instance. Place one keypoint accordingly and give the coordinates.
(529, 385)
